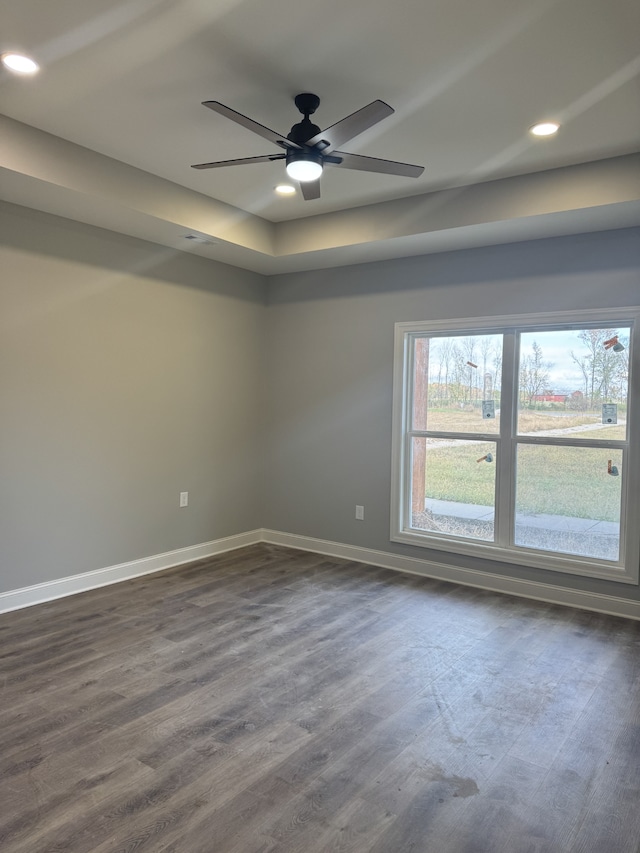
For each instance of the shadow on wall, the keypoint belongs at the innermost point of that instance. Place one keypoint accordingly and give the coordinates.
(55, 236)
(533, 259)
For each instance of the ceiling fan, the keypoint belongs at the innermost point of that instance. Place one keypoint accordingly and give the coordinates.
(307, 149)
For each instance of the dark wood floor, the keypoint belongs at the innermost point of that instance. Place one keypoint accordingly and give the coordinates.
(270, 700)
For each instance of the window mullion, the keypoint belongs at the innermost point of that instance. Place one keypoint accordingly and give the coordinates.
(506, 451)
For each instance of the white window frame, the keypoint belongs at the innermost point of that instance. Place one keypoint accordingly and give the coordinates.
(627, 569)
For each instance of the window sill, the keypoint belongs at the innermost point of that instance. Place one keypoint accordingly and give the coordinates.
(519, 556)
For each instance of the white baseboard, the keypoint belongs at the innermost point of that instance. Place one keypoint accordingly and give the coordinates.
(41, 592)
(612, 605)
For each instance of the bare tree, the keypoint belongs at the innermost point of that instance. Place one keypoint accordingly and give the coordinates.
(458, 374)
(598, 364)
(621, 371)
(469, 345)
(534, 374)
(582, 363)
(486, 351)
(446, 350)
(497, 365)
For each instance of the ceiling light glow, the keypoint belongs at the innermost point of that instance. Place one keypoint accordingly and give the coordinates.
(285, 189)
(19, 63)
(304, 170)
(303, 165)
(544, 128)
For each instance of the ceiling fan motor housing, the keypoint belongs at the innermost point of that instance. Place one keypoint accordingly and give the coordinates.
(302, 131)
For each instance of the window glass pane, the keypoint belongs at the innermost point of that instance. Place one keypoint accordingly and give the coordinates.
(456, 383)
(568, 500)
(453, 487)
(574, 383)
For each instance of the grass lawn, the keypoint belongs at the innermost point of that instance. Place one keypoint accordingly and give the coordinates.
(570, 481)
(453, 420)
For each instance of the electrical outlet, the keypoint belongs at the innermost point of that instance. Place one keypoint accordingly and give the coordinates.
(184, 498)
(360, 513)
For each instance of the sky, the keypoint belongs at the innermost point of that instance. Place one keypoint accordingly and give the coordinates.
(565, 375)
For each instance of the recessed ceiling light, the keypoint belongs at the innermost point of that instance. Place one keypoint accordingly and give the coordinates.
(19, 63)
(544, 128)
(285, 189)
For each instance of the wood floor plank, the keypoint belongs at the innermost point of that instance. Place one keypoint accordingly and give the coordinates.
(270, 700)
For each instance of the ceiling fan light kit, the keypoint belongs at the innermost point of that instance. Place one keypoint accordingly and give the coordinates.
(303, 165)
(307, 149)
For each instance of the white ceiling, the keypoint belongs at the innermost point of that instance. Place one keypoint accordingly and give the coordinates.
(125, 79)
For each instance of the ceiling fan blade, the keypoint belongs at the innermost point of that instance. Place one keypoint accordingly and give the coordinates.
(352, 125)
(243, 161)
(310, 190)
(375, 164)
(250, 124)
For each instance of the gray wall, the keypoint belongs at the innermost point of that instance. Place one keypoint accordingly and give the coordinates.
(330, 351)
(128, 373)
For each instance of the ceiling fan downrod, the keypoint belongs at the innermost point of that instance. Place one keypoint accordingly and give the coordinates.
(304, 130)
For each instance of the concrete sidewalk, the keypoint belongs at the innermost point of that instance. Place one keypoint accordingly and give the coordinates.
(542, 521)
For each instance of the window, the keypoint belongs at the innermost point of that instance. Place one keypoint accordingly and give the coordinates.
(513, 440)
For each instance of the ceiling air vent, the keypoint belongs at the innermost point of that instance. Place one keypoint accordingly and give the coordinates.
(200, 238)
